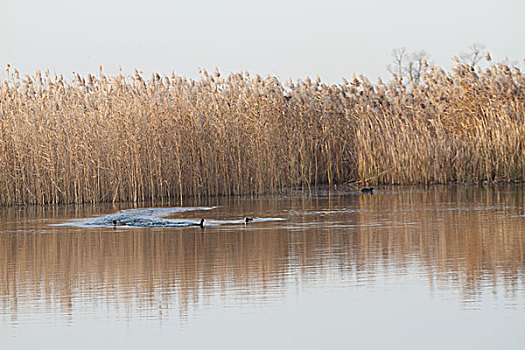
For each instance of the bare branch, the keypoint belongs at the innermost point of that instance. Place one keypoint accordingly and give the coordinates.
(398, 60)
(410, 66)
(474, 55)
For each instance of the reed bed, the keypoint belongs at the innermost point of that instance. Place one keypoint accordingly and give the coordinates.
(128, 138)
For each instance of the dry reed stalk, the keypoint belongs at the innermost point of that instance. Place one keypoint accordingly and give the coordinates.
(124, 138)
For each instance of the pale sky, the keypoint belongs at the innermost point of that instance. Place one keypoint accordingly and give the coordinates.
(286, 38)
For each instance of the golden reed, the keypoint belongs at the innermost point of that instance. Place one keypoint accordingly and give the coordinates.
(125, 138)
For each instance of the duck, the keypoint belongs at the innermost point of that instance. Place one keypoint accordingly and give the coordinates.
(367, 190)
(201, 223)
(247, 220)
(117, 223)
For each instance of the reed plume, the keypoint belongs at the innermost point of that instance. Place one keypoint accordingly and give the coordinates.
(129, 138)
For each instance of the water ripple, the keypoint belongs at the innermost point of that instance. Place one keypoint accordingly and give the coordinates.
(155, 217)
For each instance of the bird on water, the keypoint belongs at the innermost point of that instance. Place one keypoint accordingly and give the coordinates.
(367, 190)
(117, 223)
(201, 223)
(247, 220)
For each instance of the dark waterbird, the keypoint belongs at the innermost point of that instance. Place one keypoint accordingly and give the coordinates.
(201, 223)
(367, 190)
(246, 220)
(117, 223)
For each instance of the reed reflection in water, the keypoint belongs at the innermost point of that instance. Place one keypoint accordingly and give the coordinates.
(459, 246)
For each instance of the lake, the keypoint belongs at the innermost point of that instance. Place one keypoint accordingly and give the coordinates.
(403, 268)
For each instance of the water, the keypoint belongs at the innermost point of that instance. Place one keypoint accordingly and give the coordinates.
(439, 268)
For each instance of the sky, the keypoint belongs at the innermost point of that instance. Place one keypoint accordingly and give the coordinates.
(290, 39)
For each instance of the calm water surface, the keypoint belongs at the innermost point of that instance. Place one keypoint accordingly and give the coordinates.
(441, 268)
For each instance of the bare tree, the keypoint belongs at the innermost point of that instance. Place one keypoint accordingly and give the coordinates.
(474, 55)
(399, 56)
(408, 65)
(417, 62)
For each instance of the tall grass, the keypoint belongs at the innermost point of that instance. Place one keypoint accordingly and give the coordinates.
(126, 138)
